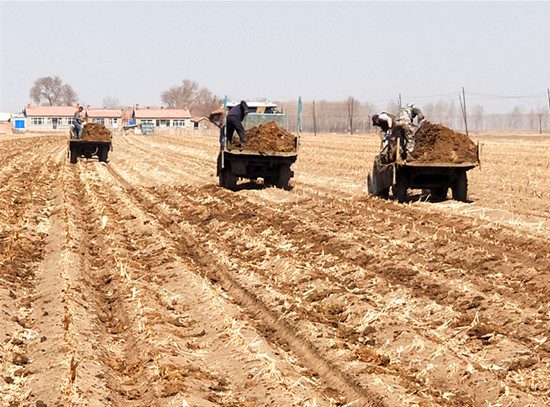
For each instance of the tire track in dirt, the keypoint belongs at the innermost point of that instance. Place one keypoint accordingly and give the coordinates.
(218, 271)
(428, 289)
(214, 214)
(25, 219)
(427, 286)
(347, 225)
(141, 371)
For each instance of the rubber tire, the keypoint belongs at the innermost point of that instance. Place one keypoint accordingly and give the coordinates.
(384, 193)
(74, 155)
(103, 153)
(460, 189)
(228, 180)
(283, 177)
(400, 188)
(439, 193)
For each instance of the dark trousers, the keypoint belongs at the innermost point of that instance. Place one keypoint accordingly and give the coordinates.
(234, 124)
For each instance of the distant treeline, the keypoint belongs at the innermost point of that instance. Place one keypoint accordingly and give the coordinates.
(353, 116)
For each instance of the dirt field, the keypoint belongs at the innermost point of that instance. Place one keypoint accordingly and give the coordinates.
(142, 283)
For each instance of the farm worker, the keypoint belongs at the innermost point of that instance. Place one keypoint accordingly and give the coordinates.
(385, 122)
(404, 128)
(234, 122)
(78, 122)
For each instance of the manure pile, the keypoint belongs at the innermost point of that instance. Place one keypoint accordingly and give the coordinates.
(268, 138)
(435, 142)
(95, 132)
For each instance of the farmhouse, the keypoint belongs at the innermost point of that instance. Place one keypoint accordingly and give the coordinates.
(108, 118)
(163, 117)
(49, 117)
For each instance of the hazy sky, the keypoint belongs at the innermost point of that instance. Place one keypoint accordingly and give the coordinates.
(134, 50)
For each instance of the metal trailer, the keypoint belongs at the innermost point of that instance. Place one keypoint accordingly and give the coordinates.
(273, 167)
(437, 177)
(88, 149)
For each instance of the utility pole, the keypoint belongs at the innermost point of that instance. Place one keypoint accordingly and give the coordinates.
(463, 107)
(400, 103)
(540, 123)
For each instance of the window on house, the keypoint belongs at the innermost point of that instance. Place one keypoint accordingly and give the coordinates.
(99, 120)
(147, 121)
(178, 123)
(70, 120)
(37, 121)
(113, 121)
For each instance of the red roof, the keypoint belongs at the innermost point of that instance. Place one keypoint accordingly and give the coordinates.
(104, 113)
(50, 111)
(163, 114)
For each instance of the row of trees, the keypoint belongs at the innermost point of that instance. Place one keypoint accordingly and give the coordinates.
(346, 116)
(352, 116)
(53, 92)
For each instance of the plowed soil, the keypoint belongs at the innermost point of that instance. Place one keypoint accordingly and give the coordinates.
(142, 283)
(267, 138)
(95, 132)
(437, 143)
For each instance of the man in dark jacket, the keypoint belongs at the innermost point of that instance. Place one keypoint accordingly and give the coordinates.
(234, 122)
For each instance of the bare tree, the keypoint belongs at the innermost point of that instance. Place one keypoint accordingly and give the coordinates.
(111, 103)
(51, 91)
(199, 100)
(177, 97)
(205, 102)
(68, 95)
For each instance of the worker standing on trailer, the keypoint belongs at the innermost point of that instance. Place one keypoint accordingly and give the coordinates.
(404, 128)
(78, 122)
(234, 122)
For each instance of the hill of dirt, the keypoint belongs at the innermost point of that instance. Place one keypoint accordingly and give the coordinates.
(268, 138)
(96, 132)
(435, 142)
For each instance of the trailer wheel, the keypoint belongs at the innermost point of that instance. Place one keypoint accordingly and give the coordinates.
(74, 155)
(228, 179)
(284, 177)
(439, 194)
(103, 154)
(460, 189)
(401, 186)
(380, 179)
